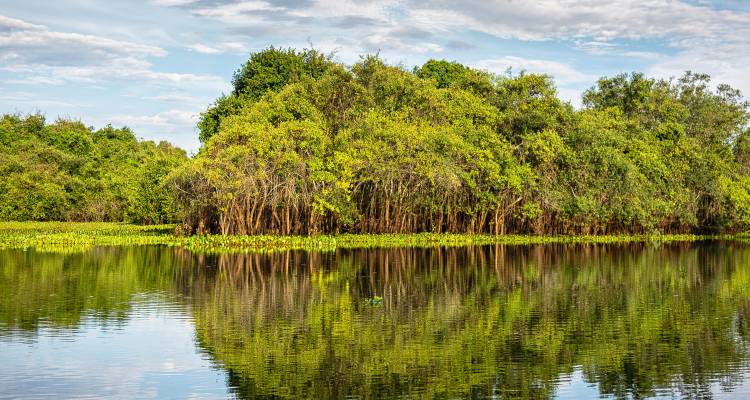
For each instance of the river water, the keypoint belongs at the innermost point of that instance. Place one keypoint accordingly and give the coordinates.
(541, 321)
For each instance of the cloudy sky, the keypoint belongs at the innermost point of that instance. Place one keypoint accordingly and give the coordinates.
(154, 65)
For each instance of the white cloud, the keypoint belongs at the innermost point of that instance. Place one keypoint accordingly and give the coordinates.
(176, 125)
(730, 69)
(9, 24)
(25, 43)
(662, 37)
(646, 55)
(27, 102)
(578, 19)
(220, 48)
(125, 70)
(562, 73)
(38, 57)
(350, 26)
(381, 40)
(175, 97)
(35, 80)
(172, 3)
(571, 95)
(204, 49)
(237, 12)
(378, 10)
(596, 27)
(41, 56)
(694, 37)
(169, 119)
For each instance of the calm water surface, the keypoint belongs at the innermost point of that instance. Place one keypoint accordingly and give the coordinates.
(553, 321)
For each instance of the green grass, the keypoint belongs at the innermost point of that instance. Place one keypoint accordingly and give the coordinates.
(74, 236)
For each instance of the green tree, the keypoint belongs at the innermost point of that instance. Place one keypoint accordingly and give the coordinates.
(69, 172)
(306, 145)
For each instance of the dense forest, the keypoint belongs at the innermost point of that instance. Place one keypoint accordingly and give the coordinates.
(305, 145)
(65, 171)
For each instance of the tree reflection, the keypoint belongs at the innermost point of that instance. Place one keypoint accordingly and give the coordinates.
(504, 321)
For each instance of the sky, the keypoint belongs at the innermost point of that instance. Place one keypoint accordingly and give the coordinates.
(155, 65)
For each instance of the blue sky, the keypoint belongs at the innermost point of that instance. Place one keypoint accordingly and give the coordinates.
(154, 65)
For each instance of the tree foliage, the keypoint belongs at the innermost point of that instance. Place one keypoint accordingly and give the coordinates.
(65, 171)
(306, 145)
(268, 70)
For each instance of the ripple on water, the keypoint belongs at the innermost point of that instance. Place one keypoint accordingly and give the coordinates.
(482, 322)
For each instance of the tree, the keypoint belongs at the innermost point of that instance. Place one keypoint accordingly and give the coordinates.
(266, 71)
(67, 171)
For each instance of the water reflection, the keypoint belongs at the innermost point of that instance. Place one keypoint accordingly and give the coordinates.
(518, 321)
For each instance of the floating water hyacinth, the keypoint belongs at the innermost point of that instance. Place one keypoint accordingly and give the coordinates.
(73, 236)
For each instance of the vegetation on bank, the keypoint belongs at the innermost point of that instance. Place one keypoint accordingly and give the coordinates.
(73, 237)
(65, 171)
(66, 237)
(304, 145)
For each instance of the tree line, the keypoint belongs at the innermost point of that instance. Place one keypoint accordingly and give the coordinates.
(305, 145)
(65, 171)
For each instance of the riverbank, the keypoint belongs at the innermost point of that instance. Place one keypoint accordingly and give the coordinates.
(75, 236)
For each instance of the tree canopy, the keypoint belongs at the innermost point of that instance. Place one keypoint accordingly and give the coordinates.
(65, 171)
(305, 145)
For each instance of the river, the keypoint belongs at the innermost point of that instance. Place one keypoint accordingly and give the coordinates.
(541, 321)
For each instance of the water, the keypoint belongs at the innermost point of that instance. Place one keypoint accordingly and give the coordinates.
(552, 321)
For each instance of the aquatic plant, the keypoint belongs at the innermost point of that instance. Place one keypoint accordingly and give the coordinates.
(65, 236)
